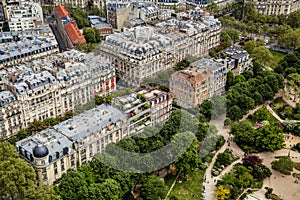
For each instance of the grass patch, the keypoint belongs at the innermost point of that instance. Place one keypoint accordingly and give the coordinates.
(187, 188)
(277, 56)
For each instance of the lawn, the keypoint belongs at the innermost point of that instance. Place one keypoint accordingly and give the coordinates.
(187, 188)
(277, 56)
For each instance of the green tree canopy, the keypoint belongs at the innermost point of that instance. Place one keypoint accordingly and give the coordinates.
(153, 188)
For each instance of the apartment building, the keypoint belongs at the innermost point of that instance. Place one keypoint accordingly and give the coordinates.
(277, 7)
(190, 87)
(219, 71)
(19, 47)
(237, 59)
(203, 79)
(104, 28)
(23, 15)
(146, 107)
(204, 3)
(67, 28)
(119, 12)
(167, 4)
(141, 52)
(71, 143)
(11, 118)
(73, 3)
(54, 85)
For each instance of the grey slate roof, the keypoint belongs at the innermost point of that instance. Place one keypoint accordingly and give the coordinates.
(60, 137)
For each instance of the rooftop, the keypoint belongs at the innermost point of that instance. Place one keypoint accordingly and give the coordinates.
(62, 68)
(209, 64)
(61, 136)
(6, 97)
(74, 33)
(61, 11)
(193, 76)
(21, 44)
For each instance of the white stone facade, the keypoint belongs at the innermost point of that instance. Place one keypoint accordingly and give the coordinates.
(141, 52)
(52, 86)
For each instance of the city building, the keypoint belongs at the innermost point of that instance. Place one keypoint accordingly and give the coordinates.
(11, 118)
(74, 3)
(237, 59)
(204, 3)
(101, 4)
(203, 79)
(167, 4)
(141, 52)
(67, 28)
(104, 28)
(219, 71)
(191, 87)
(54, 85)
(276, 7)
(146, 107)
(71, 143)
(22, 46)
(119, 12)
(22, 15)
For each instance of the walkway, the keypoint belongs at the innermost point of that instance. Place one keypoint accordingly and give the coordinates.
(210, 181)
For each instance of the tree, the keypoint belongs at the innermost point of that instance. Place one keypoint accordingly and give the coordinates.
(99, 100)
(205, 109)
(284, 165)
(89, 35)
(17, 177)
(291, 39)
(110, 190)
(262, 55)
(266, 91)
(233, 34)
(294, 19)
(252, 160)
(153, 188)
(222, 193)
(250, 45)
(261, 115)
(96, 11)
(189, 159)
(239, 78)
(234, 113)
(257, 98)
(267, 138)
(212, 8)
(229, 80)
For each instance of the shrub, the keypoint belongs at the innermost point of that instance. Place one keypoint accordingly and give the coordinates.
(284, 165)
